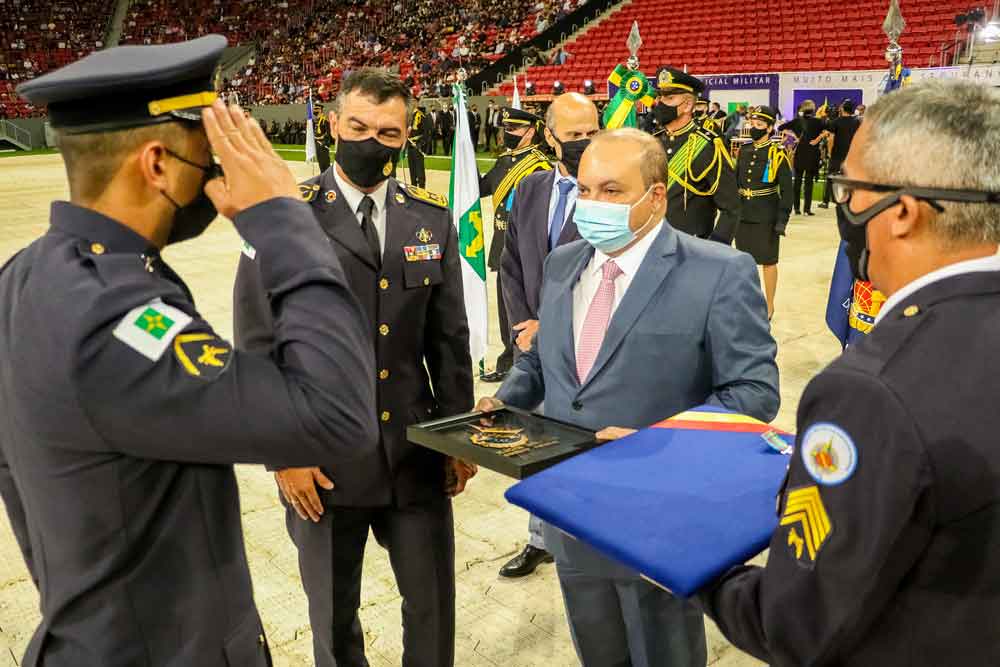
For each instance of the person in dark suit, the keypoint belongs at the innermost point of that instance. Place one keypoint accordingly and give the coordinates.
(765, 181)
(400, 252)
(884, 551)
(427, 132)
(122, 410)
(638, 321)
(414, 152)
(474, 123)
(541, 220)
(807, 130)
(447, 124)
(701, 182)
(492, 124)
(521, 136)
(839, 134)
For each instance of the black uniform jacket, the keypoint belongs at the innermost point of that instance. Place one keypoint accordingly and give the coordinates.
(121, 412)
(416, 321)
(703, 186)
(886, 552)
(499, 182)
(765, 200)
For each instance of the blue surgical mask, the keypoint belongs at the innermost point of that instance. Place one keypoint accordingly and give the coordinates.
(605, 225)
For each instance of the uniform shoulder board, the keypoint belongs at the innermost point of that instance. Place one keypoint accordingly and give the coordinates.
(309, 189)
(541, 157)
(706, 132)
(420, 194)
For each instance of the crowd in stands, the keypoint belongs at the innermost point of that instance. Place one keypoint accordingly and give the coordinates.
(39, 35)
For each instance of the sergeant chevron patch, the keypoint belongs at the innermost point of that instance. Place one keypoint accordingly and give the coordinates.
(808, 524)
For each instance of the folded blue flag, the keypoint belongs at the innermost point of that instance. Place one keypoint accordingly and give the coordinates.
(680, 502)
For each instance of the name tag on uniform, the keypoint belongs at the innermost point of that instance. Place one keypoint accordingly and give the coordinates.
(422, 253)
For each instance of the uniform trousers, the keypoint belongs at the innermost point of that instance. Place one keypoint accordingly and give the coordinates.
(420, 540)
(805, 178)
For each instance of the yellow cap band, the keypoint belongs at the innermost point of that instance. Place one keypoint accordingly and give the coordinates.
(160, 107)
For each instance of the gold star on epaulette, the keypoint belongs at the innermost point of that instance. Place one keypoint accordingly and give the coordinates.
(425, 196)
(309, 191)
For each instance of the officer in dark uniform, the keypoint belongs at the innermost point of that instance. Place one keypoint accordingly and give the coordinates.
(121, 409)
(889, 519)
(414, 150)
(322, 138)
(522, 134)
(400, 251)
(701, 182)
(767, 193)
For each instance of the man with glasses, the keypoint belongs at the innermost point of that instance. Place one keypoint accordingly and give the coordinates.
(885, 550)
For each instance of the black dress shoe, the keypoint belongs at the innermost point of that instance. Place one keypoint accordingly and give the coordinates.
(823, 205)
(525, 562)
(495, 376)
(810, 213)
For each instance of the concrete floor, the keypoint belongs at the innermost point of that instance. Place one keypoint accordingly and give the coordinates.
(510, 623)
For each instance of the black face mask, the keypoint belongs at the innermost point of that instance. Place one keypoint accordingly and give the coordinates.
(664, 113)
(572, 151)
(511, 141)
(368, 162)
(757, 134)
(856, 239)
(192, 219)
(700, 113)
(808, 112)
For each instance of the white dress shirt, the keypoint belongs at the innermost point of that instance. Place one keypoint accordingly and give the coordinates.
(959, 268)
(571, 198)
(353, 197)
(586, 288)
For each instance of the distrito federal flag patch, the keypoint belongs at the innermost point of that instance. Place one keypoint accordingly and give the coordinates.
(150, 328)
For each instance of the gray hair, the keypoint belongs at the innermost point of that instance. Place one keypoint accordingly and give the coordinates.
(379, 84)
(940, 134)
(652, 157)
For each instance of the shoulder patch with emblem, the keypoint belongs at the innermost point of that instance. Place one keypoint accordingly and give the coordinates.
(829, 454)
(150, 328)
(248, 250)
(425, 196)
(309, 191)
(202, 355)
(808, 524)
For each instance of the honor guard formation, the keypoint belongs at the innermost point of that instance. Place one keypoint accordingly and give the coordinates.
(359, 281)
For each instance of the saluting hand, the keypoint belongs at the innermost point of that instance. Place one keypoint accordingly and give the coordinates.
(254, 173)
(298, 486)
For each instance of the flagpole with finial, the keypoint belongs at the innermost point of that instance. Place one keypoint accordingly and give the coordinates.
(633, 86)
(893, 27)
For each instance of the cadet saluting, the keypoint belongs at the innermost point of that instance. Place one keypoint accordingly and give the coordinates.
(399, 248)
(120, 408)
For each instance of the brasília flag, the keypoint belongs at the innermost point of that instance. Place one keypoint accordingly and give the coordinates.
(633, 86)
(467, 216)
(310, 135)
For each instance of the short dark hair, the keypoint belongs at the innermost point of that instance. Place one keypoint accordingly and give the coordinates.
(848, 106)
(379, 84)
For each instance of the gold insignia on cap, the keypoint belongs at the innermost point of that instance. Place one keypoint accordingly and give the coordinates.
(400, 198)
(665, 78)
(97, 248)
(506, 114)
(331, 196)
(424, 235)
(911, 311)
(387, 169)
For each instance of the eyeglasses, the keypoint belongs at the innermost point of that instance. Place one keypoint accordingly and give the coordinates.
(843, 189)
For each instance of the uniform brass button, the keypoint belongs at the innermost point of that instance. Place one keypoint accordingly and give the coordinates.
(260, 639)
(97, 248)
(384, 329)
(670, 151)
(384, 283)
(385, 416)
(427, 281)
(383, 374)
(911, 311)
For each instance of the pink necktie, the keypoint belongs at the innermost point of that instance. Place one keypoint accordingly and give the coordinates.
(596, 323)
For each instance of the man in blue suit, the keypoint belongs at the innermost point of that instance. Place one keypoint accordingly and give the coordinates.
(638, 322)
(541, 219)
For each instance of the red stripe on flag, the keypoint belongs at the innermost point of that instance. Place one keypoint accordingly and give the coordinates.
(731, 427)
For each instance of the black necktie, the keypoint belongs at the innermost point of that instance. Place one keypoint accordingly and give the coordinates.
(368, 229)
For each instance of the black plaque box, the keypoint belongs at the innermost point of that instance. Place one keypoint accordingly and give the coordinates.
(523, 442)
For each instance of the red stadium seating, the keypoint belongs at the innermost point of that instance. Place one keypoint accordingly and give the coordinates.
(39, 35)
(732, 36)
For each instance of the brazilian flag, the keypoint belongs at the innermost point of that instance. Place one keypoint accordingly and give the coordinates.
(633, 86)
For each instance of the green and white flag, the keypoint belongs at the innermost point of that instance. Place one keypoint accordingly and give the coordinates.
(467, 216)
(150, 328)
